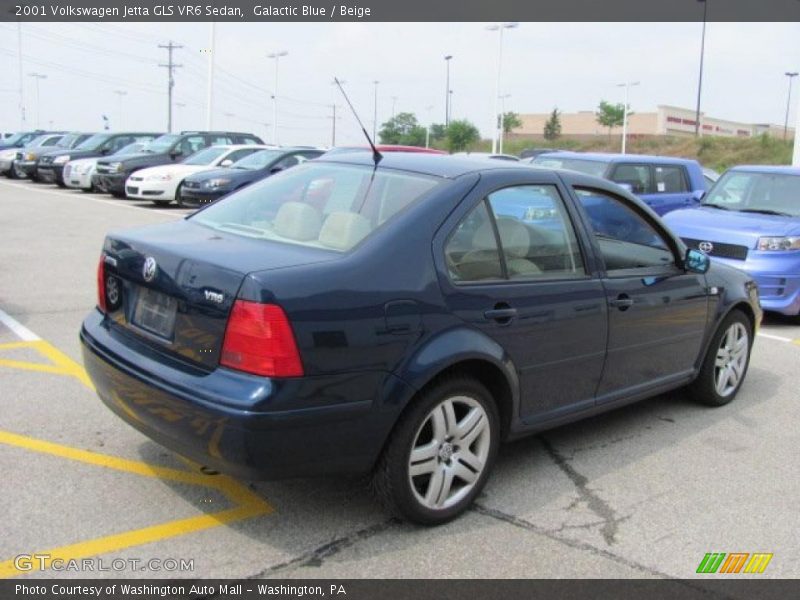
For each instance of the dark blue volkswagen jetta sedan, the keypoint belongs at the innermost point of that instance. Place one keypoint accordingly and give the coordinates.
(403, 318)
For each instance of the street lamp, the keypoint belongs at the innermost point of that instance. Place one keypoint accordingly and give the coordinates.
(496, 124)
(38, 77)
(375, 111)
(627, 87)
(791, 76)
(394, 102)
(502, 118)
(276, 56)
(447, 92)
(700, 77)
(428, 126)
(120, 94)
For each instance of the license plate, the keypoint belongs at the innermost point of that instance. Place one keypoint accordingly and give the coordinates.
(75, 181)
(155, 312)
(132, 190)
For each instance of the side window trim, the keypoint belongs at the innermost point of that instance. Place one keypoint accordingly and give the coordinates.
(501, 253)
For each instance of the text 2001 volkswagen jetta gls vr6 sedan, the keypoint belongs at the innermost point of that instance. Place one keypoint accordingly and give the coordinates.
(347, 317)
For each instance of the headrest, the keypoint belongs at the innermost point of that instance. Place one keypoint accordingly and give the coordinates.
(298, 221)
(343, 230)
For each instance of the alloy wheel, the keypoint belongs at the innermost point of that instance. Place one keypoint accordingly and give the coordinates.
(731, 359)
(449, 452)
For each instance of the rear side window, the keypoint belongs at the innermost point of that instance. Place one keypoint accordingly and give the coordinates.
(321, 205)
(636, 176)
(518, 233)
(626, 239)
(670, 179)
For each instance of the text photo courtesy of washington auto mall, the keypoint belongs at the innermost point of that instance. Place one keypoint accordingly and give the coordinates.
(423, 300)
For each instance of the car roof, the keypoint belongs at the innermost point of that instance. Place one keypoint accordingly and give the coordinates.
(777, 169)
(615, 157)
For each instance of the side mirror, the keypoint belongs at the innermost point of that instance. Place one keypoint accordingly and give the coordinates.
(226, 163)
(696, 261)
(698, 195)
(175, 154)
(627, 187)
(105, 151)
(274, 170)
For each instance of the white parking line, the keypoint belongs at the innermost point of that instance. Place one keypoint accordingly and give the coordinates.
(22, 332)
(82, 197)
(775, 337)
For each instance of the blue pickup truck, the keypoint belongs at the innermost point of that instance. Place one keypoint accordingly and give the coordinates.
(663, 182)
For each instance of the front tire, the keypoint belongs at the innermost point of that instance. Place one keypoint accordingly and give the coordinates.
(440, 454)
(725, 365)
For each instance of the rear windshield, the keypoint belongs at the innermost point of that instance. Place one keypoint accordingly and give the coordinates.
(93, 142)
(206, 156)
(317, 204)
(589, 167)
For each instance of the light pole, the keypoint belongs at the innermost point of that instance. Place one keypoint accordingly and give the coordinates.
(375, 111)
(120, 94)
(700, 77)
(627, 85)
(447, 92)
(791, 76)
(21, 80)
(276, 56)
(496, 119)
(38, 77)
(210, 90)
(394, 102)
(502, 118)
(428, 127)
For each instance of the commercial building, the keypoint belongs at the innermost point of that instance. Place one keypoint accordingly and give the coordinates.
(666, 120)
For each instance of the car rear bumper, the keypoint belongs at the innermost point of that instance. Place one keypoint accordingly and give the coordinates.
(778, 278)
(240, 424)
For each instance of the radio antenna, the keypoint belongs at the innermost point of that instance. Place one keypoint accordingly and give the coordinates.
(376, 156)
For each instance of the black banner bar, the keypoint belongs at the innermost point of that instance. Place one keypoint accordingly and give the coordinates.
(398, 589)
(398, 10)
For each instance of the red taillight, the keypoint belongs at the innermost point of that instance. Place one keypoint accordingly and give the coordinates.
(259, 340)
(101, 284)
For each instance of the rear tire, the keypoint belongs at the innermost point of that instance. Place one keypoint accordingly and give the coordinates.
(440, 454)
(725, 365)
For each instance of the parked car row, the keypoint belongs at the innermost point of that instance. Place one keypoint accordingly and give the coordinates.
(760, 233)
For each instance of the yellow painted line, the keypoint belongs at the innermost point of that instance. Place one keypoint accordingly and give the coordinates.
(248, 503)
(60, 363)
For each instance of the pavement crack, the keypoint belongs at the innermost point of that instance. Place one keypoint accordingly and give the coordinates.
(586, 495)
(316, 556)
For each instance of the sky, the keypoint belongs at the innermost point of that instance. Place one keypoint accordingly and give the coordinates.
(569, 66)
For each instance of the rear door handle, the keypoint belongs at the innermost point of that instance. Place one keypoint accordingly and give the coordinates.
(501, 315)
(622, 302)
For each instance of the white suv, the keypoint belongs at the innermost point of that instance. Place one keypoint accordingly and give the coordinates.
(162, 184)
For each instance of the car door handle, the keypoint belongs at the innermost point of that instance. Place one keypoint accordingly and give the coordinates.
(501, 313)
(622, 302)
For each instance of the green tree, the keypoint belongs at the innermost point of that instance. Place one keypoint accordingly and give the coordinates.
(402, 129)
(461, 135)
(552, 129)
(511, 121)
(610, 115)
(438, 132)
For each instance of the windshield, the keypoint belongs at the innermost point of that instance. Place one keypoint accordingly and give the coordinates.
(131, 149)
(207, 156)
(38, 141)
(162, 144)
(257, 160)
(93, 142)
(317, 204)
(13, 139)
(68, 141)
(769, 193)
(590, 167)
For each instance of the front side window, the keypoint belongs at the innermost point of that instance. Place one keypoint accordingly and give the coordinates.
(670, 179)
(626, 239)
(321, 205)
(635, 176)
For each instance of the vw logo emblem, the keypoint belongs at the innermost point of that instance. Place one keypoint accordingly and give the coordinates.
(706, 247)
(149, 269)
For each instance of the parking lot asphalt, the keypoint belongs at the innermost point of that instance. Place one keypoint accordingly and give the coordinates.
(644, 491)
